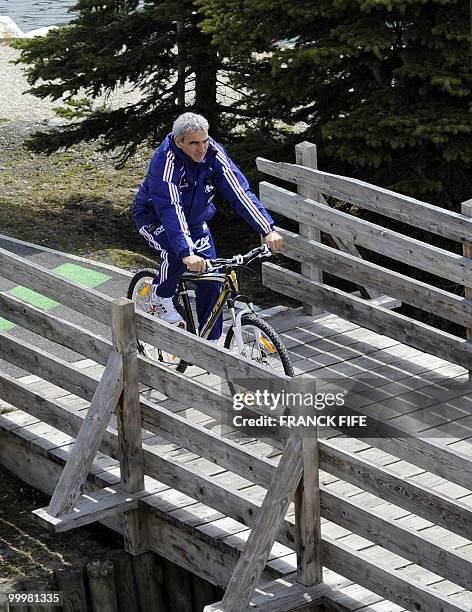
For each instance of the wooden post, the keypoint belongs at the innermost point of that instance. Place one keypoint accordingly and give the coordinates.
(124, 581)
(178, 587)
(71, 582)
(101, 581)
(39, 584)
(89, 438)
(128, 415)
(148, 585)
(251, 563)
(307, 504)
(306, 155)
(466, 209)
(203, 592)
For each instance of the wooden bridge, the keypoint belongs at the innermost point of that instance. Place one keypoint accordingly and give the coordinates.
(282, 523)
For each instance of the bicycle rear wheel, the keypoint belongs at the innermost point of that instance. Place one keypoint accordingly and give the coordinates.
(139, 291)
(261, 343)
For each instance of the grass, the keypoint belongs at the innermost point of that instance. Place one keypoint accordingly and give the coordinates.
(74, 201)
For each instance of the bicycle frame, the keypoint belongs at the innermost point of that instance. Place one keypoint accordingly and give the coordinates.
(229, 292)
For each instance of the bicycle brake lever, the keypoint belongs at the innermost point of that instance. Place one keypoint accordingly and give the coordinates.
(265, 252)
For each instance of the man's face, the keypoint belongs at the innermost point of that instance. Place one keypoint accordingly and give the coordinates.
(194, 144)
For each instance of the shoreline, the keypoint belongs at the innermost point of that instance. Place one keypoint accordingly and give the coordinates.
(9, 28)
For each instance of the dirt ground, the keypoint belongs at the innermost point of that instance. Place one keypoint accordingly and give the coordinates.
(28, 550)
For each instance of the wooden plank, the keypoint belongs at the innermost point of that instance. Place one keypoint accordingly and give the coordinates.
(91, 508)
(365, 292)
(274, 508)
(88, 301)
(29, 357)
(187, 547)
(378, 319)
(387, 582)
(89, 437)
(54, 328)
(383, 482)
(136, 537)
(411, 291)
(306, 155)
(182, 477)
(173, 547)
(369, 235)
(283, 596)
(397, 538)
(389, 203)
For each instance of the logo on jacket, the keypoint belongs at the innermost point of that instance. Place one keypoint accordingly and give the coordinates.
(202, 244)
(183, 182)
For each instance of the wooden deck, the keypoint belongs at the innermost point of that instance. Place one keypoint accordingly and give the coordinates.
(411, 389)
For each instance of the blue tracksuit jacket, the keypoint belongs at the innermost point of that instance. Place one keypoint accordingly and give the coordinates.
(177, 193)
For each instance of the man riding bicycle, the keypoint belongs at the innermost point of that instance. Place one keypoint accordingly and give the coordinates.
(174, 204)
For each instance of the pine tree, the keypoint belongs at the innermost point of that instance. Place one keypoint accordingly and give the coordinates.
(382, 86)
(155, 46)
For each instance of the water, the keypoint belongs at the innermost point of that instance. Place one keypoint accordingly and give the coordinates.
(32, 14)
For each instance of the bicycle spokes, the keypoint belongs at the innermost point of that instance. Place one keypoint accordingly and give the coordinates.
(143, 292)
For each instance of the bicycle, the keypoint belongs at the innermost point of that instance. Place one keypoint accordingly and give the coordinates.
(248, 334)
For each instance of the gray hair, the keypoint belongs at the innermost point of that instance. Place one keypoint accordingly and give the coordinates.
(189, 122)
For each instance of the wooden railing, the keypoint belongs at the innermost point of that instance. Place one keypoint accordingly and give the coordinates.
(381, 240)
(282, 480)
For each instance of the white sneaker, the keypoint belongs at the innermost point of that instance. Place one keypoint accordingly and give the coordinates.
(165, 310)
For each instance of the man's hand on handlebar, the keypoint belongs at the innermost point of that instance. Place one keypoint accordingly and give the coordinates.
(274, 241)
(194, 263)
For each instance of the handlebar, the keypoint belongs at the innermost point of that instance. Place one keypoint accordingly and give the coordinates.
(238, 260)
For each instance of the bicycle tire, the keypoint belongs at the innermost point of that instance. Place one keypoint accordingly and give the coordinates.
(143, 349)
(254, 321)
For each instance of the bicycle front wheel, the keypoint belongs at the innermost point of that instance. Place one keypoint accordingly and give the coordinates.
(261, 343)
(139, 291)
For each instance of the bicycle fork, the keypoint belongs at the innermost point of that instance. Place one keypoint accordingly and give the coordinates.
(237, 329)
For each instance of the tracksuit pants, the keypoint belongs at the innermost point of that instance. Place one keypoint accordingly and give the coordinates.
(172, 268)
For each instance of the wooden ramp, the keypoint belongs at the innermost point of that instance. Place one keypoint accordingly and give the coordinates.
(402, 506)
